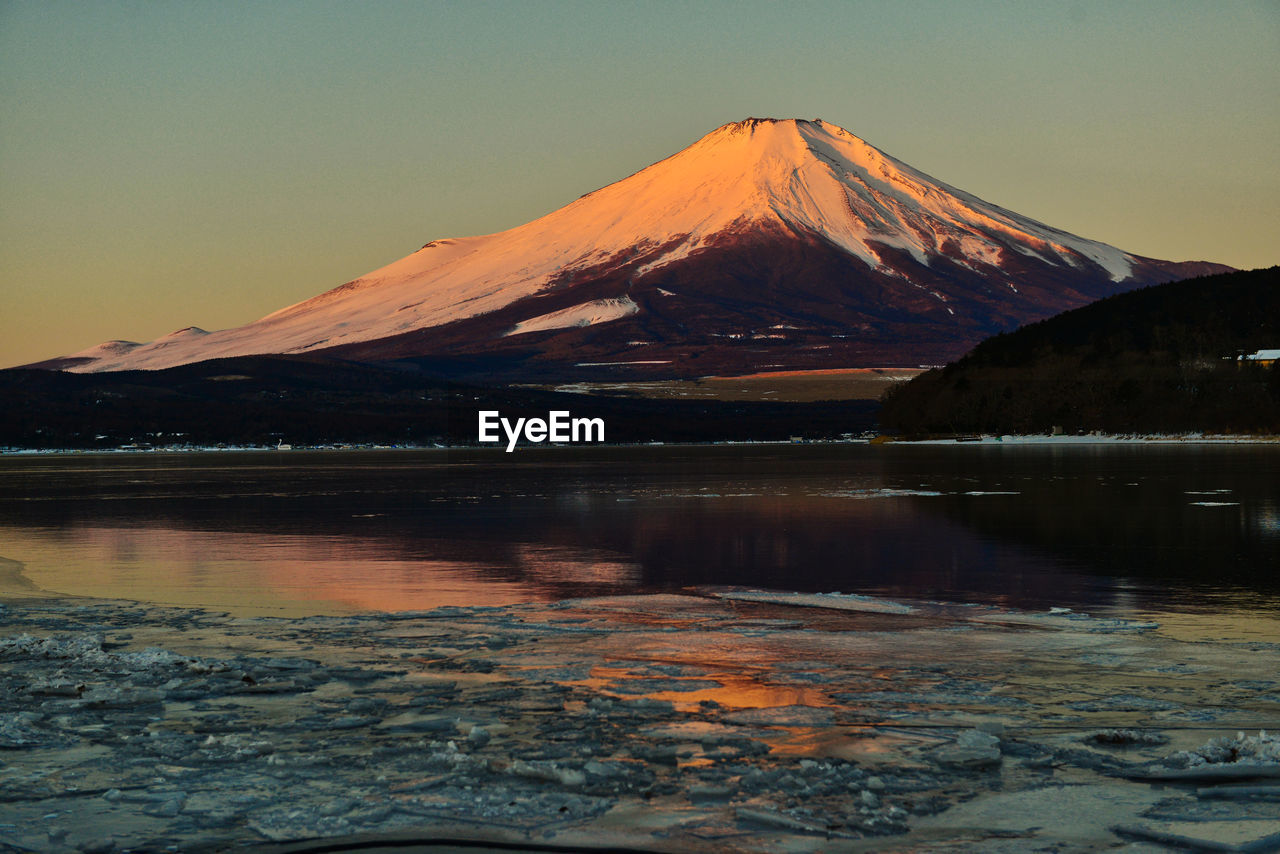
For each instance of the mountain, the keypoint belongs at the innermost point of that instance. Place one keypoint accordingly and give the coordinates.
(767, 244)
(1163, 359)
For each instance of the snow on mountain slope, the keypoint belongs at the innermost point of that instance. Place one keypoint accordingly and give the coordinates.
(586, 314)
(758, 176)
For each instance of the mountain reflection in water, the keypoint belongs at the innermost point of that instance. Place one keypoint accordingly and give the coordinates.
(1124, 527)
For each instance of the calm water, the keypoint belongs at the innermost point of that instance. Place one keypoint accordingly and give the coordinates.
(1117, 529)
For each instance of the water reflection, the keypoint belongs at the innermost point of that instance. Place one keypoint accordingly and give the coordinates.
(249, 572)
(1085, 527)
(731, 689)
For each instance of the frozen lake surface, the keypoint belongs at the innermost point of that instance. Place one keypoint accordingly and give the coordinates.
(729, 721)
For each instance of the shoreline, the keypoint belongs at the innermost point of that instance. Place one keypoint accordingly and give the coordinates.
(719, 721)
(882, 439)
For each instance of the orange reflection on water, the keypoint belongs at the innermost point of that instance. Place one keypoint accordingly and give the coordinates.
(860, 743)
(742, 691)
(736, 690)
(559, 565)
(285, 575)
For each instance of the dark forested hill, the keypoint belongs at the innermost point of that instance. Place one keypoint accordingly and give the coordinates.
(1160, 359)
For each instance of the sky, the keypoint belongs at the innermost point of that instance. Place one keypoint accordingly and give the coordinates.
(168, 164)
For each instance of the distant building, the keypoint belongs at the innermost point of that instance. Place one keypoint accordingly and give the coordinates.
(1265, 358)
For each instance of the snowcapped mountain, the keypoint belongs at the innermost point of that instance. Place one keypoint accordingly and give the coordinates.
(767, 244)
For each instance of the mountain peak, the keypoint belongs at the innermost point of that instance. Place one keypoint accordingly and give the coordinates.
(820, 178)
(753, 126)
(764, 130)
(752, 122)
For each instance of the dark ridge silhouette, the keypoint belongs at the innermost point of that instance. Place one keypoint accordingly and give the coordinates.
(1164, 359)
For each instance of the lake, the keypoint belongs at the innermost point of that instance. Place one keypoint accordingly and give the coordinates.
(1119, 529)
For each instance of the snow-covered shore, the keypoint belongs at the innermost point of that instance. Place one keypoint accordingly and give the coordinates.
(1101, 439)
(1033, 439)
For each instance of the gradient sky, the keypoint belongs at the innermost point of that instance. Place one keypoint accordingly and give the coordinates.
(205, 163)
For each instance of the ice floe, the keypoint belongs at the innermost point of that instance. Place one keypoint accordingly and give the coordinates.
(128, 727)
